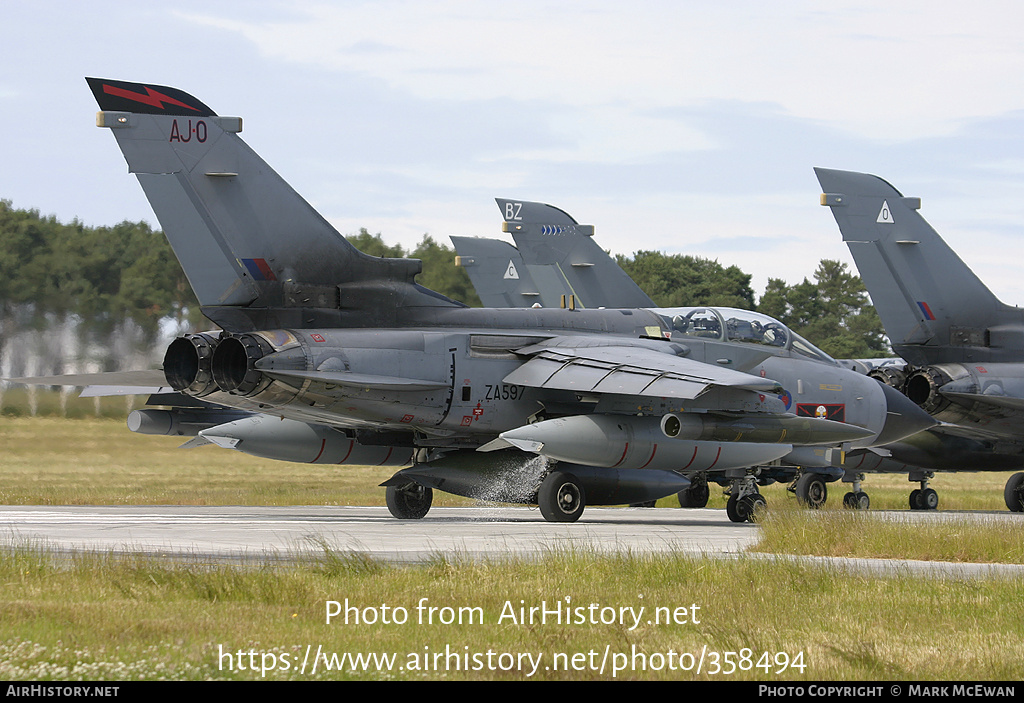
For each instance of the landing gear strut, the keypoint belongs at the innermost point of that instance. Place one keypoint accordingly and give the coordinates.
(745, 504)
(923, 498)
(856, 499)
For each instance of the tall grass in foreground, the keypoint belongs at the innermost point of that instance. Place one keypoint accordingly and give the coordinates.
(846, 533)
(107, 618)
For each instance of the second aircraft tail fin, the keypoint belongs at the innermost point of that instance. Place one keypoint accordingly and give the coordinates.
(562, 255)
(499, 275)
(927, 297)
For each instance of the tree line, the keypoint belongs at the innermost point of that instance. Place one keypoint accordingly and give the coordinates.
(101, 274)
(76, 298)
(832, 311)
(73, 296)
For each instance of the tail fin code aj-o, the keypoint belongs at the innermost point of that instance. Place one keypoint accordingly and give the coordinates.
(255, 252)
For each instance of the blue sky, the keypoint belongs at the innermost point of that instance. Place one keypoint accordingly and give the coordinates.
(687, 127)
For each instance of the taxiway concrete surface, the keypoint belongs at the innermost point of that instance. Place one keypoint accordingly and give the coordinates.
(259, 535)
(240, 533)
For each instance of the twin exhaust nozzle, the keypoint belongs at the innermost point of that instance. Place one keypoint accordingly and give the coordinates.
(200, 364)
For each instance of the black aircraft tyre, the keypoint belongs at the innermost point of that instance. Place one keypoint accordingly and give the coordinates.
(736, 509)
(561, 497)
(696, 496)
(756, 506)
(929, 499)
(1013, 494)
(856, 501)
(915, 500)
(811, 491)
(924, 499)
(409, 502)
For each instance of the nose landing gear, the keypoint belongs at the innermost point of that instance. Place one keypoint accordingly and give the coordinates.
(745, 503)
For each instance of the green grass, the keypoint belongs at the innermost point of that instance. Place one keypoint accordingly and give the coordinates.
(90, 461)
(846, 533)
(111, 618)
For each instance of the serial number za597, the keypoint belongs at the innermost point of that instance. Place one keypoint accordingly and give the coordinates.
(503, 391)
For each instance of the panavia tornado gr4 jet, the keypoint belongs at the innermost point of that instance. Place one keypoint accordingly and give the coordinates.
(555, 261)
(338, 357)
(964, 348)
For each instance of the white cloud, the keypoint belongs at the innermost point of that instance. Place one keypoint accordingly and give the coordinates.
(879, 69)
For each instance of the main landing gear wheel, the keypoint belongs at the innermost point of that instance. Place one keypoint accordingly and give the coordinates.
(561, 497)
(735, 511)
(856, 500)
(1013, 494)
(696, 496)
(811, 491)
(924, 499)
(409, 502)
(746, 509)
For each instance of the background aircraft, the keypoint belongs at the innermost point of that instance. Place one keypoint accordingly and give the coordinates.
(554, 256)
(964, 348)
(556, 261)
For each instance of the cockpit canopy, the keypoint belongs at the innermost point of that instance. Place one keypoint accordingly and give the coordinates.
(733, 325)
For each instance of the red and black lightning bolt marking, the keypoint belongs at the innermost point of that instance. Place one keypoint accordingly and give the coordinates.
(122, 96)
(152, 97)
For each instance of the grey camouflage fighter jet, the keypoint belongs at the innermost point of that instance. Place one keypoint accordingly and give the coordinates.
(555, 261)
(964, 348)
(333, 356)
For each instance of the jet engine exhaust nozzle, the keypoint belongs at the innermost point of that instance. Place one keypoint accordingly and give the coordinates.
(187, 364)
(889, 376)
(923, 386)
(234, 362)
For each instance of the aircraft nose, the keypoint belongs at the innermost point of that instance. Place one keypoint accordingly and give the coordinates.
(903, 417)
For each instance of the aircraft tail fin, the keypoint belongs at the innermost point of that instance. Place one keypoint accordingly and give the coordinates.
(561, 256)
(498, 274)
(255, 252)
(927, 297)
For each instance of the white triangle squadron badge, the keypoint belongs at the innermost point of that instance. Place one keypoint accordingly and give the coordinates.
(885, 214)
